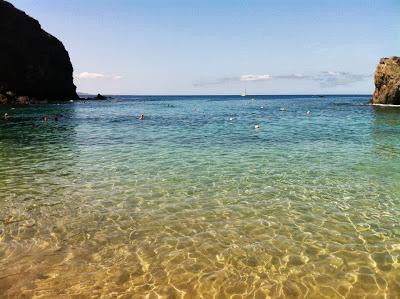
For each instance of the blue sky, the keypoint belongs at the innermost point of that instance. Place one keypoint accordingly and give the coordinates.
(222, 47)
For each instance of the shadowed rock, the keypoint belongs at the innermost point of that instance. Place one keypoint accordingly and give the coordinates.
(34, 65)
(387, 82)
(101, 97)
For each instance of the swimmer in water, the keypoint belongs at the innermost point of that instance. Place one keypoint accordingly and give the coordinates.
(141, 117)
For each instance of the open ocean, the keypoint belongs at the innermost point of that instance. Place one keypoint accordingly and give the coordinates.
(195, 202)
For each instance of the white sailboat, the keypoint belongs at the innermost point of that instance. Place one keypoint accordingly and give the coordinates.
(243, 94)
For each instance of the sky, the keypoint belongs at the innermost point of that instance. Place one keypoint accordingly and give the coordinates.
(172, 47)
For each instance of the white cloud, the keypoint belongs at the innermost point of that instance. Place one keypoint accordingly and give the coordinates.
(332, 79)
(332, 73)
(89, 75)
(325, 79)
(298, 75)
(254, 77)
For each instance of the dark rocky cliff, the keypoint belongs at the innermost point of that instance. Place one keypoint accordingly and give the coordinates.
(387, 82)
(34, 65)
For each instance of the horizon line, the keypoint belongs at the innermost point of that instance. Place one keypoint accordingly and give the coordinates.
(238, 95)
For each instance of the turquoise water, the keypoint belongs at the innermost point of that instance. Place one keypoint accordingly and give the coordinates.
(195, 202)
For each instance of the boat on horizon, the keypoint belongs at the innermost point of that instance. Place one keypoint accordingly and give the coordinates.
(243, 94)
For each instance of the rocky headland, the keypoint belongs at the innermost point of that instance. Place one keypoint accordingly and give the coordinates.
(387, 82)
(34, 65)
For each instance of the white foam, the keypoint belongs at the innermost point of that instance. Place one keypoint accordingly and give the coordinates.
(385, 105)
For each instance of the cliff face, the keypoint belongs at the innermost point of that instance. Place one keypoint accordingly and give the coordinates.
(33, 63)
(387, 82)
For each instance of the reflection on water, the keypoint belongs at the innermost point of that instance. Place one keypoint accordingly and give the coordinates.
(194, 202)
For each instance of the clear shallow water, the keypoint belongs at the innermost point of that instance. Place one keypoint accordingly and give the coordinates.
(191, 204)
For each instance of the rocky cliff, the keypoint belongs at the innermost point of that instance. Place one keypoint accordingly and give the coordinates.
(387, 82)
(34, 65)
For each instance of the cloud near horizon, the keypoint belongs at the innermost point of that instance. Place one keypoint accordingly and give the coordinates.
(325, 78)
(331, 79)
(254, 77)
(89, 75)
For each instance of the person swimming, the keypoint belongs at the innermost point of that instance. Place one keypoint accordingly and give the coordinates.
(141, 117)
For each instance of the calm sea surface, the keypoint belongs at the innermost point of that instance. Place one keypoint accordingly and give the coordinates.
(195, 202)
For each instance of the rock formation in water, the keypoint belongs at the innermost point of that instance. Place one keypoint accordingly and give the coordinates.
(101, 97)
(387, 82)
(34, 65)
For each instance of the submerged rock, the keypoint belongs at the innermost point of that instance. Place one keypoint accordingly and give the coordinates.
(387, 82)
(34, 65)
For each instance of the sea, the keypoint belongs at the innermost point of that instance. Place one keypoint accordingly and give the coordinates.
(206, 197)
